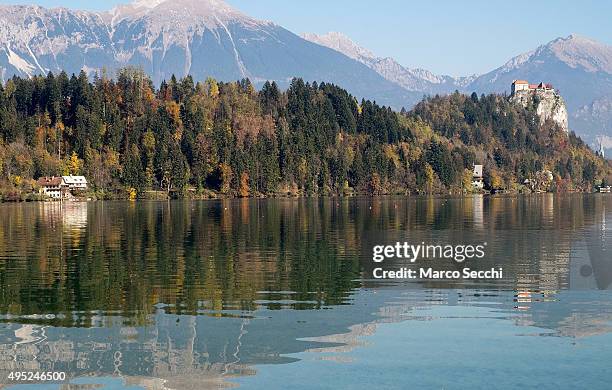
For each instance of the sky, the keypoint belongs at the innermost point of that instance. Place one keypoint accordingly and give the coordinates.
(457, 38)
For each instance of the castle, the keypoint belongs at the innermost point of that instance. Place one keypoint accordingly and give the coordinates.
(522, 85)
(549, 104)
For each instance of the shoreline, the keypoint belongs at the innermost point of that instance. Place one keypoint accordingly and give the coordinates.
(297, 197)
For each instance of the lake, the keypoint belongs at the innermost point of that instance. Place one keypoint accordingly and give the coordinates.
(279, 293)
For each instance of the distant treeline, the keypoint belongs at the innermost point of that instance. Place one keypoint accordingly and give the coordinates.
(128, 137)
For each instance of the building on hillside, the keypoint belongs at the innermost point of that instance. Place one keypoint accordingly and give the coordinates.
(477, 177)
(601, 152)
(523, 86)
(75, 183)
(519, 85)
(548, 103)
(53, 187)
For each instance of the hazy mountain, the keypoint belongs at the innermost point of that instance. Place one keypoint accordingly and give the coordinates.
(164, 37)
(595, 121)
(412, 79)
(36, 40)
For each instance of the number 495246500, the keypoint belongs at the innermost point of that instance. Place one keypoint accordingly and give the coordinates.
(36, 376)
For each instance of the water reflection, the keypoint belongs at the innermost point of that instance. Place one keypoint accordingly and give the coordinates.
(199, 294)
(194, 352)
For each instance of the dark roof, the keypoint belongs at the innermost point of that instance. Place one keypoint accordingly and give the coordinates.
(49, 181)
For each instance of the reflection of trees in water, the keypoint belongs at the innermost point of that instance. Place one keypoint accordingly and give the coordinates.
(203, 256)
(531, 237)
(89, 260)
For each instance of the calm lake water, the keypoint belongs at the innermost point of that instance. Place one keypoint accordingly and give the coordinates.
(277, 294)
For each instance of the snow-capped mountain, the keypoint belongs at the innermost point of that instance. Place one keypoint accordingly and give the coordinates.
(412, 79)
(37, 40)
(165, 37)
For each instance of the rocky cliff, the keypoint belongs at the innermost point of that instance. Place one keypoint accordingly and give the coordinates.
(549, 105)
(201, 38)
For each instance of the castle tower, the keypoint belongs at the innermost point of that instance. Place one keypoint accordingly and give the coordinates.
(519, 85)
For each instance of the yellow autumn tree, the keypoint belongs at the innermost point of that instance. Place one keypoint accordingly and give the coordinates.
(496, 180)
(466, 181)
(213, 87)
(226, 177)
(429, 177)
(376, 187)
(244, 185)
(73, 165)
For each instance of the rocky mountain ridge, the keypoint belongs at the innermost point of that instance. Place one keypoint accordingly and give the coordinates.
(164, 38)
(413, 79)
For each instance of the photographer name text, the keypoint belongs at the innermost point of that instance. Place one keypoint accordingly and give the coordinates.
(411, 253)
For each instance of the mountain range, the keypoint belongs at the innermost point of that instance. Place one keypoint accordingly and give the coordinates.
(578, 67)
(210, 38)
(412, 79)
(178, 37)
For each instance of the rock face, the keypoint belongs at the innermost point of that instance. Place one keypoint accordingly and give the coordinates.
(549, 105)
(165, 37)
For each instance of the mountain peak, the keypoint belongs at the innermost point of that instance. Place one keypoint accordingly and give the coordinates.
(578, 38)
(576, 51)
(342, 43)
(411, 79)
(149, 4)
(176, 12)
(581, 52)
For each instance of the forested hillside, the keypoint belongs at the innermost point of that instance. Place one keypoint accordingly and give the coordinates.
(204, 139)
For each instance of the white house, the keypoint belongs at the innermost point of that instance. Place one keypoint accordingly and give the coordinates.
(75, 182)
(477, 179)
(519, 85)
(53, 187)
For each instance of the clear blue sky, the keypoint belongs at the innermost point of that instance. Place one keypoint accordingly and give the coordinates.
(448, 37)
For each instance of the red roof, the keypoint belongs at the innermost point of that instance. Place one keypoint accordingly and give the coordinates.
(541, 86)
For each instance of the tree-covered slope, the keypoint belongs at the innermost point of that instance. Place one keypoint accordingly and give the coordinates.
(128, 137)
